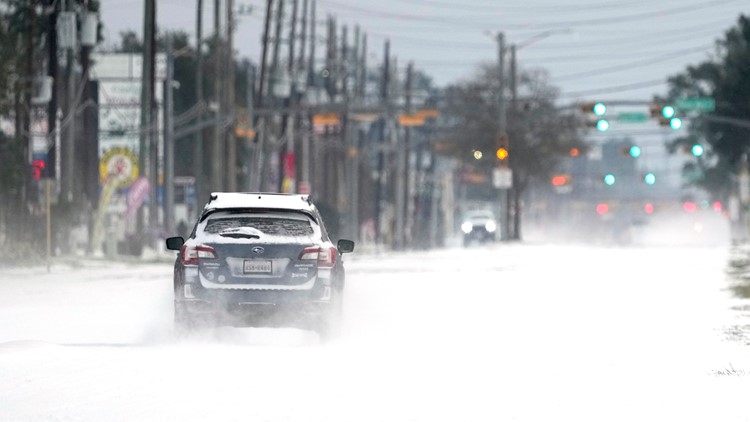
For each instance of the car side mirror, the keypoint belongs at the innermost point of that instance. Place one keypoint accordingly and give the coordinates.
(175, 243)
(345, 246)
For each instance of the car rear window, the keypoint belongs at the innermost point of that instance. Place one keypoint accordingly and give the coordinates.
(275, 226)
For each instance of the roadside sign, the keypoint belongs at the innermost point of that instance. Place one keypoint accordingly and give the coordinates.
(244, 132)
(632, 117)
(411, 120)
(326, 119)
(502, 178)
(700, 104)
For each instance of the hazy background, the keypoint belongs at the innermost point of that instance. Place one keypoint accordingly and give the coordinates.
(601, 49)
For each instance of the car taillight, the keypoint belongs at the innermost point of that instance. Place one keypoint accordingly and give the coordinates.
(309, 253)
(326, 257)
(191, 254)
(206, 252)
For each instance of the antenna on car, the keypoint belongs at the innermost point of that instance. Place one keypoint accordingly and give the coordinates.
(214, 196)
(307, 198)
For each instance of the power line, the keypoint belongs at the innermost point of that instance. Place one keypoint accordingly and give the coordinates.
(374, 13)
(576, 8)
(632, 65)
(615, 88)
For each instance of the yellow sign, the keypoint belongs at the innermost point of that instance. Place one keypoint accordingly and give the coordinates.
(244, 132)
(327, 119)
(120, 163)
(410, 120)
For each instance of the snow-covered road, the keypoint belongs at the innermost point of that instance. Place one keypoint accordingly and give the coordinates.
(511, 332)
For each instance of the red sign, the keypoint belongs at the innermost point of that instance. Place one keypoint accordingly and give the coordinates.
(137, 195)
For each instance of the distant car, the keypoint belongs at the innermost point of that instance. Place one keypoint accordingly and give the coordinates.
(479, 226)
(259, 259)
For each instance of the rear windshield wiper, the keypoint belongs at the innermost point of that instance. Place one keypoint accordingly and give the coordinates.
(241, 233)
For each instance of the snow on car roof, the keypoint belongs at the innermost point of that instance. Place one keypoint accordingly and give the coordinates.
(226, 200)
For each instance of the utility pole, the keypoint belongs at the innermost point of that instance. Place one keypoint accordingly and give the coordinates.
(513, 81)
(502, 134)
(311, 62)
(256, 173)
(310, 73)
(379, 190)
(343, 161)
(67, 181)
(409, 172)
(514, 207)
(217, 155)
(199, 162)
(402, 162)
(271, 166)
(289, 185)
(52, 72)
(231, 139)
(264, 54)
(247, 183)
(353, 153)
(169, 141)
(303, 40)
(363, 68)
(153, 137)
(147, 96)
(274, 77)
(27, 95)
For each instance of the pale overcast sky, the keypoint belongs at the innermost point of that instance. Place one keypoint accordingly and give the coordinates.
(595, 49)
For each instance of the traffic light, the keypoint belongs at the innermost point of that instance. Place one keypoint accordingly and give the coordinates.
(697, 150)
(666, 115)
(595, 112)
(649, 178)
(502, 153)
(560, 180)
(633, 151)
(37, 169)
(609, 179)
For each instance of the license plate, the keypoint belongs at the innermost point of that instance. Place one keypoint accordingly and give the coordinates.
(257, 267)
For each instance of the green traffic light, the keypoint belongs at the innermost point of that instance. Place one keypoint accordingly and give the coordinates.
(697, 150)
(609, 179)
(675, 123)
(602, 125)
(600, 109)
(649, 178)
(667, 112)
(635, 151)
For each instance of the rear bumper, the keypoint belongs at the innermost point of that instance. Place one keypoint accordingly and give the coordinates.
(198, 295)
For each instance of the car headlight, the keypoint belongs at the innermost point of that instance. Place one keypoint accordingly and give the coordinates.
(490, 226)
(466, 227)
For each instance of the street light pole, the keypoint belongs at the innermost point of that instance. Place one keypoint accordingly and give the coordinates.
(502, 132)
